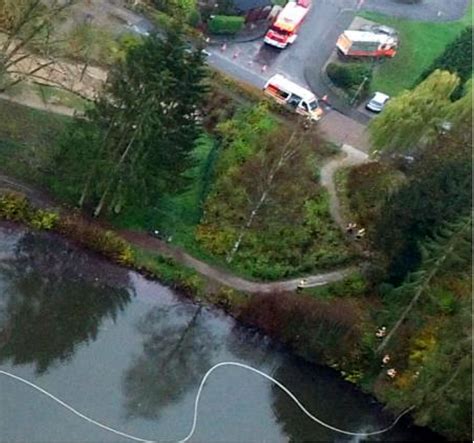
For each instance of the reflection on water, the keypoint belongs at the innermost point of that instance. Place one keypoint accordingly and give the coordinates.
(54, 301)
(176, 353)
(130, 353)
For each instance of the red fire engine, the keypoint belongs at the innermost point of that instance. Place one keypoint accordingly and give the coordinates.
(284, 29)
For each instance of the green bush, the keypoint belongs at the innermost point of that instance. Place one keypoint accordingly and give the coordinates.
(226, 24)
(14, 207)
(46, 220)
(194, 18)
(170, 272)
(349, 77)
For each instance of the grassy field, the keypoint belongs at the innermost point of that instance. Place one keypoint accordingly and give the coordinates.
(27, 139)
(50, 94)
(420, 44)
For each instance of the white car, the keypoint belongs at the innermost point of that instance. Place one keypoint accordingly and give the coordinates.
(377, 102)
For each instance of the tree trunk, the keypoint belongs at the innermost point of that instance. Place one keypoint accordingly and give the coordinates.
(434, 270)
(247, 225)
(284, 156)
(104, 196)
(171, 355)
(85, 190)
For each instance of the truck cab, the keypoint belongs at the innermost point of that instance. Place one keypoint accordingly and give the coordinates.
(285, 27)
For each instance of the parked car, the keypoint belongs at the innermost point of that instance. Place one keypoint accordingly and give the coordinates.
(377, 102)
(380, 29)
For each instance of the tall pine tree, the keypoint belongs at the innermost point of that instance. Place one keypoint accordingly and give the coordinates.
(148, 120)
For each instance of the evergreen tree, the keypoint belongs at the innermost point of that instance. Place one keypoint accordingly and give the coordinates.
(148, 120)
(430, 334)
(450, 245)
(437, 189)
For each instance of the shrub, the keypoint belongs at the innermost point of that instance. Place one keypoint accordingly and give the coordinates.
(46, 220)
(194, 18)
(96, 239)
(14, 207)
(226, 24)
(322, 330)
(349, 77)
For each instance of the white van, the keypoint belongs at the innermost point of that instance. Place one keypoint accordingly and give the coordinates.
(293, 96)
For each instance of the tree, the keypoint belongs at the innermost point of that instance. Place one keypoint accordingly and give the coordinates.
(28, 26)
(437, 189)
(266, 190)
(429, 319)
(456, 58)
(413, 118)
(452, 244)
(182, 7)
(147, 118)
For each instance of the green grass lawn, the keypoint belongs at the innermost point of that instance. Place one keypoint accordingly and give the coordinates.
(50, 94)
(420, 44)
(27, 139)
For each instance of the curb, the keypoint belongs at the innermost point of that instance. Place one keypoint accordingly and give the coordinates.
(236, 40)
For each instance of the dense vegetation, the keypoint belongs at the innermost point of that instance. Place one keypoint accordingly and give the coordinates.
(238, 186)
(265, 191)
(456, 58)
(417, 214)
(352, 78)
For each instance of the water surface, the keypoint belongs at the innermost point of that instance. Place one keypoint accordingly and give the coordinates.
(130, 353)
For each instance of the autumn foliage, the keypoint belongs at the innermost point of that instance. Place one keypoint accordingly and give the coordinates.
(325, 330)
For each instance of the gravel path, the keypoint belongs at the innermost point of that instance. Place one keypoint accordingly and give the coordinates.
(352, 157)
(226, 278)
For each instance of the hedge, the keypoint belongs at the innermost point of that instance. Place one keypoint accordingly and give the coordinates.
(349, 77)
(225, 24)
(456, 58)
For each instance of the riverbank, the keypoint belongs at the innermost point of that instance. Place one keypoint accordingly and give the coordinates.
(330, 327)
(167, 268)
(294, 319)
(134, 352)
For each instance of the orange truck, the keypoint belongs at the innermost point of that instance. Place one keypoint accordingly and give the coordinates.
(366, 44)
(285, 27)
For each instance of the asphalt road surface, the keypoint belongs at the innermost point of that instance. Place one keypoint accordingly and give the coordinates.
(256, 62)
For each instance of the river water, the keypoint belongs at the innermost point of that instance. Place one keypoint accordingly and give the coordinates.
(130, 353)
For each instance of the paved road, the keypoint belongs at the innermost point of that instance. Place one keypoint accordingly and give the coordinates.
(316, 40)
(427, 10)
